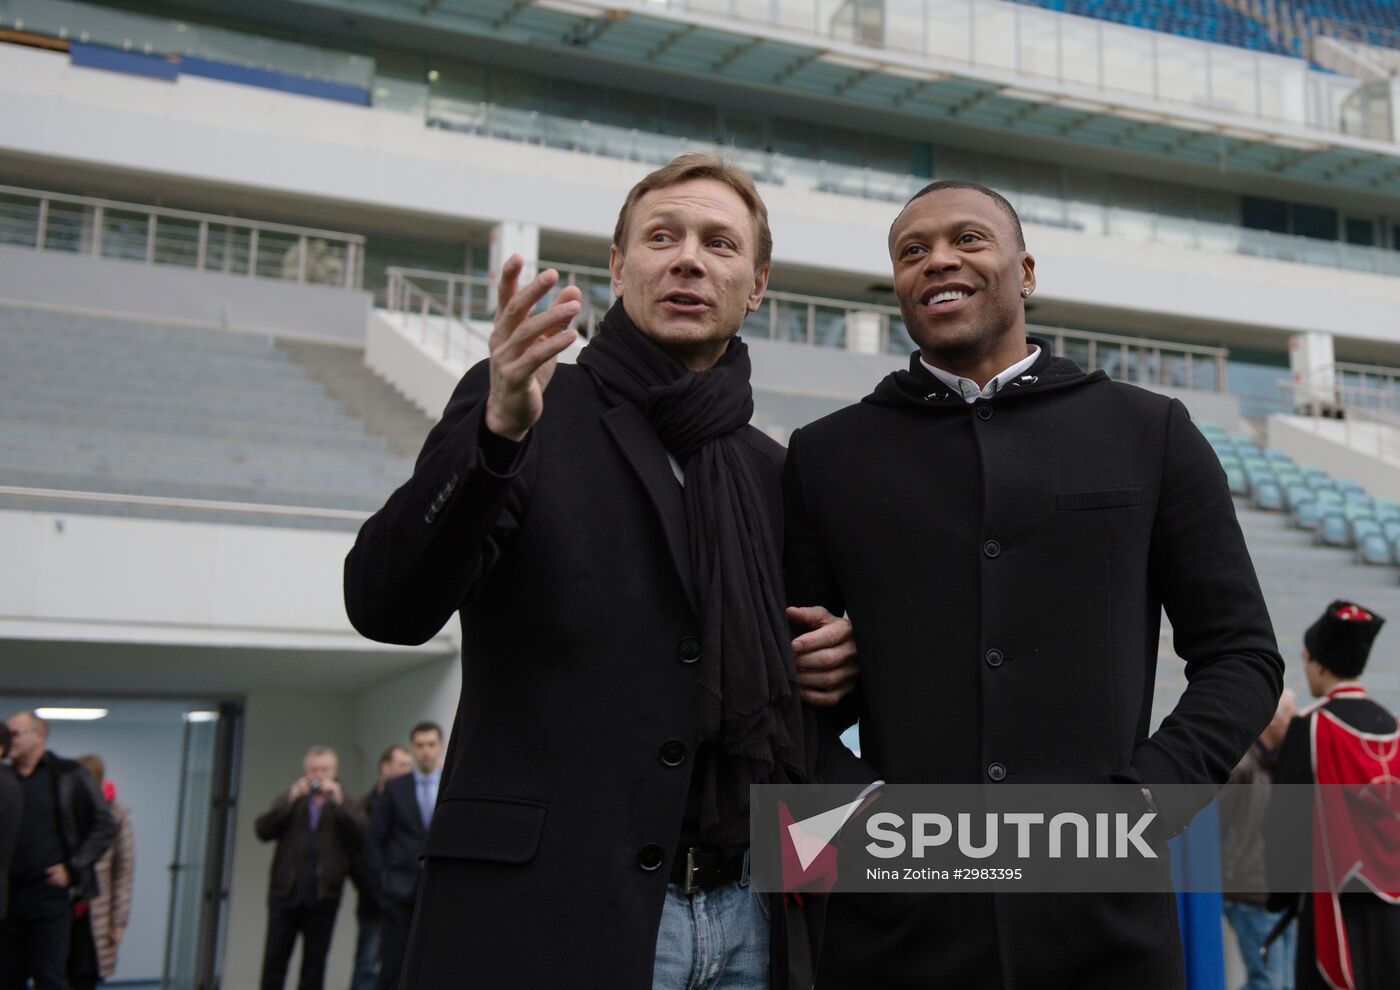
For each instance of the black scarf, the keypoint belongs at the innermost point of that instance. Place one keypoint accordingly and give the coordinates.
(747, 699)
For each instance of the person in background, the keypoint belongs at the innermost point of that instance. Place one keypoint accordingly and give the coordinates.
(64, 830)
(1244, 807)
(1349, 924)
(393, 762)
(110, 911)
(396, 834)
(11, 808)
(318, 834)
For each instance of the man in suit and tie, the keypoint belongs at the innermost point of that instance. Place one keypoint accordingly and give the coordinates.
(396, 832)
(11, 807)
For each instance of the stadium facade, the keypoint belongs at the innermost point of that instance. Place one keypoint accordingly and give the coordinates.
(244, 253)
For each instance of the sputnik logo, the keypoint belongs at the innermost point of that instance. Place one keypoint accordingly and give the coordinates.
(809, 859)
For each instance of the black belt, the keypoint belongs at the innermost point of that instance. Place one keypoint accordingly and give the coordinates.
(705, 868)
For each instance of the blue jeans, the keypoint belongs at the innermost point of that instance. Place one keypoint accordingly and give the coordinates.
(712, 940)
(366, 955)
(1252, 924)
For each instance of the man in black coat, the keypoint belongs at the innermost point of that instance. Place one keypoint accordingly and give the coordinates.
(397, 829)
(1004, 532)
(1349, 922)
(65, 828)
(318, 834)
(393, 762)
(613, 546)
(11, 808)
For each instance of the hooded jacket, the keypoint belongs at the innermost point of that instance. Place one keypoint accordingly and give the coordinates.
(1006, 563)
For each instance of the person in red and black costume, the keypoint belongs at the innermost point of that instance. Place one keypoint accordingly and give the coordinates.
(1349, 926)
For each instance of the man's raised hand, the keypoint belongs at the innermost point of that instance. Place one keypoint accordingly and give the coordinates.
(524, 348)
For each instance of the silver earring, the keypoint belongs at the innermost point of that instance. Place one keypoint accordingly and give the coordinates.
(1025, 291)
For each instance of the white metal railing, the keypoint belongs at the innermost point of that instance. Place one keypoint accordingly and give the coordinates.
(441, 307)
(1366, 419)
(1036, 206)
(47, 221)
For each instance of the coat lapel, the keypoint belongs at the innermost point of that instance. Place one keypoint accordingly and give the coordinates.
(642, 448)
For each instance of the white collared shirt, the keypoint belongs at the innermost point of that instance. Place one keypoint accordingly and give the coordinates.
(969, 390)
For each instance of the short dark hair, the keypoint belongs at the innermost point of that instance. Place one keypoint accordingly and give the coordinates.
(1001, 201)
(702, 165)
(4, 738)
(425, 727)
(389, 752)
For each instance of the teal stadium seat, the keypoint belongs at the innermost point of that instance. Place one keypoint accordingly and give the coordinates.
(1373, 549)
(1333, 529)
(1295, 495)
(1267, 495)
(1308, 514)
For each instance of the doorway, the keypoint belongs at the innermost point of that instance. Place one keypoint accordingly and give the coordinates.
(173, 762)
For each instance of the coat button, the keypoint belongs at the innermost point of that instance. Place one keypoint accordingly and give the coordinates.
(689, 650)
(984, 410)
(996, 771)
(994, 658)
(673, 752)
(651, 857)
(992, 548)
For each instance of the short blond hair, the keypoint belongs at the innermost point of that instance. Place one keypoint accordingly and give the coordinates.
(702, 165)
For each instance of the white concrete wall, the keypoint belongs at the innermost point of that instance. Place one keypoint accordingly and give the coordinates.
(1363, 452)
(231, 302)
(258, 139)
(74, 576)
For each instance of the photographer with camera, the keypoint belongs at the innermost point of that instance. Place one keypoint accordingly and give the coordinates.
(318, 833)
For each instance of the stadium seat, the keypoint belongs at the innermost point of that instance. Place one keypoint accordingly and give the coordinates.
(1333, 530)
(1267, 495)
(1308, 514)
(1374, 549)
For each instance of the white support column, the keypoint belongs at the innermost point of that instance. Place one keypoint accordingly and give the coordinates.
(863, 331)
(507, 238)
(1312, 361)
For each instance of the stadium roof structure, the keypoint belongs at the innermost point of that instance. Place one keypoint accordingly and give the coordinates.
(789, 62)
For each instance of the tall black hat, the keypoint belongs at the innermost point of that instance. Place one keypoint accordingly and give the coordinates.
(1341, 640)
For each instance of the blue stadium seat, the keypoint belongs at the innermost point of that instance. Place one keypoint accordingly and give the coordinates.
(1333, 530)
(1295, 495)
(1238, 480)
(1308, 514)
(1373, 549)
(1267, 495)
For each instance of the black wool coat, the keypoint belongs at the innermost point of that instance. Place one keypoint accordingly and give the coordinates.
(549, 853)
(1006, 564)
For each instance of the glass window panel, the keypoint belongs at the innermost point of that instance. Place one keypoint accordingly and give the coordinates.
(177, 241)
(124, 234)
(1127, 60)
(949, 29)
(1038, 39)
(1181, 71)
(1264, 214)
(1080, 50)
(904, 25)
(1283, 89)
(1315, 221)
(1232, 80)
(1360, 231)
(994, 35)
(278, 254)
(19, 220)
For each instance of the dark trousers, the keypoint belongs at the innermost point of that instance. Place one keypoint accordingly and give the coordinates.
(315, 923)
(34, 939)
(394, 924)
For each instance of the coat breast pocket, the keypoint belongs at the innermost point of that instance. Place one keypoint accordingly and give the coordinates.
(1106, 498)
(498, 829)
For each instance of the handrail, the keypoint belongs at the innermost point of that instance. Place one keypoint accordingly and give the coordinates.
(157, 235)
(1365, 429)
(456, 301)
(160, 501)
